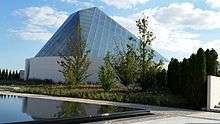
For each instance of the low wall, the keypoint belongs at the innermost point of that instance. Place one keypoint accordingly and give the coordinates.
(48, 68)
(213, 92)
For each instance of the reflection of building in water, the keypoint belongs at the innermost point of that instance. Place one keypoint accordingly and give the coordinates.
(41, 108)
(46, 109)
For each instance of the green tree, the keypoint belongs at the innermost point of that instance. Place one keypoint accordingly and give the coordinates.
(3, 74)
(10, 75)
(196, 88)
(126, 64)
(211, 62)
(146, 55)
(13, 75)
(107, 74)
(185, 77)
(6, 74)
(17, 75)
(199, 79)
(173, 76)
(162, 79)
(75, 65)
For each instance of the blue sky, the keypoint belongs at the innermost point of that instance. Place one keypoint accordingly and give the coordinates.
(181, 26)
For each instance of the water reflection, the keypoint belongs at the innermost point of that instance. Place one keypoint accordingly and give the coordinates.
(13, 109)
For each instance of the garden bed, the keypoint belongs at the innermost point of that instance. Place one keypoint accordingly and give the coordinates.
(161, 98)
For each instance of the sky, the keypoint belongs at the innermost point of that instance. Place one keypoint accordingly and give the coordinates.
(180, 26)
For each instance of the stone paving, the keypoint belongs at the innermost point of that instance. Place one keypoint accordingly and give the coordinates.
(163, 115)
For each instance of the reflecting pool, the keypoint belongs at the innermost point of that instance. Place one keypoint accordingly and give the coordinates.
(19, 109)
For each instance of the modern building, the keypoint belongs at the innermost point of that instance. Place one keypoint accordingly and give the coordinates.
(101, 34)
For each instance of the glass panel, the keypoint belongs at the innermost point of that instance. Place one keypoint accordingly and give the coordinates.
(100, 32)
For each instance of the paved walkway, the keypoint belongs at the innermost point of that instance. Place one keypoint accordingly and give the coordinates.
(162, 115)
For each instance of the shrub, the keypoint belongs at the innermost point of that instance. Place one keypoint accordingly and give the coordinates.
(126, 64)
(107, 74)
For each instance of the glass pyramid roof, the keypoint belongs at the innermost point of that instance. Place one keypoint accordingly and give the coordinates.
(100, 32)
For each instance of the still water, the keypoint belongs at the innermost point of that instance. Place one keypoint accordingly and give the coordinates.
(19, 109)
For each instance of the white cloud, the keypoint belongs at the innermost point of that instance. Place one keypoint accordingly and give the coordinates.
(43, 16)
(39, 21)
(170, 23)
(168, 38)
(213, 3)
(124, 3)
(33, 33)
(185, 14)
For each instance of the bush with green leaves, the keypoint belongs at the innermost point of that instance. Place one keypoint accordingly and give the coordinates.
(126, 64)
(107, 74)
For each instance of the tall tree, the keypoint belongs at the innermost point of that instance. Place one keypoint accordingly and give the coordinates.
(6, 74)
(146, 37)
(173, 76)
(198, 79)
(3, 74)
(185, 77)
(201, 77)
(17, 75)
(162, 79)
(75, 65)
(211, 62)
(10, 75)
(13, 75)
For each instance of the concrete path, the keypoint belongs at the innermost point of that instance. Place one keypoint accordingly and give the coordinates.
(196, 118)
(162, 115)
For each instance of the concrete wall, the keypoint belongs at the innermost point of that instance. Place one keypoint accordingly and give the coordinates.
(48, 68)
(213, 92)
